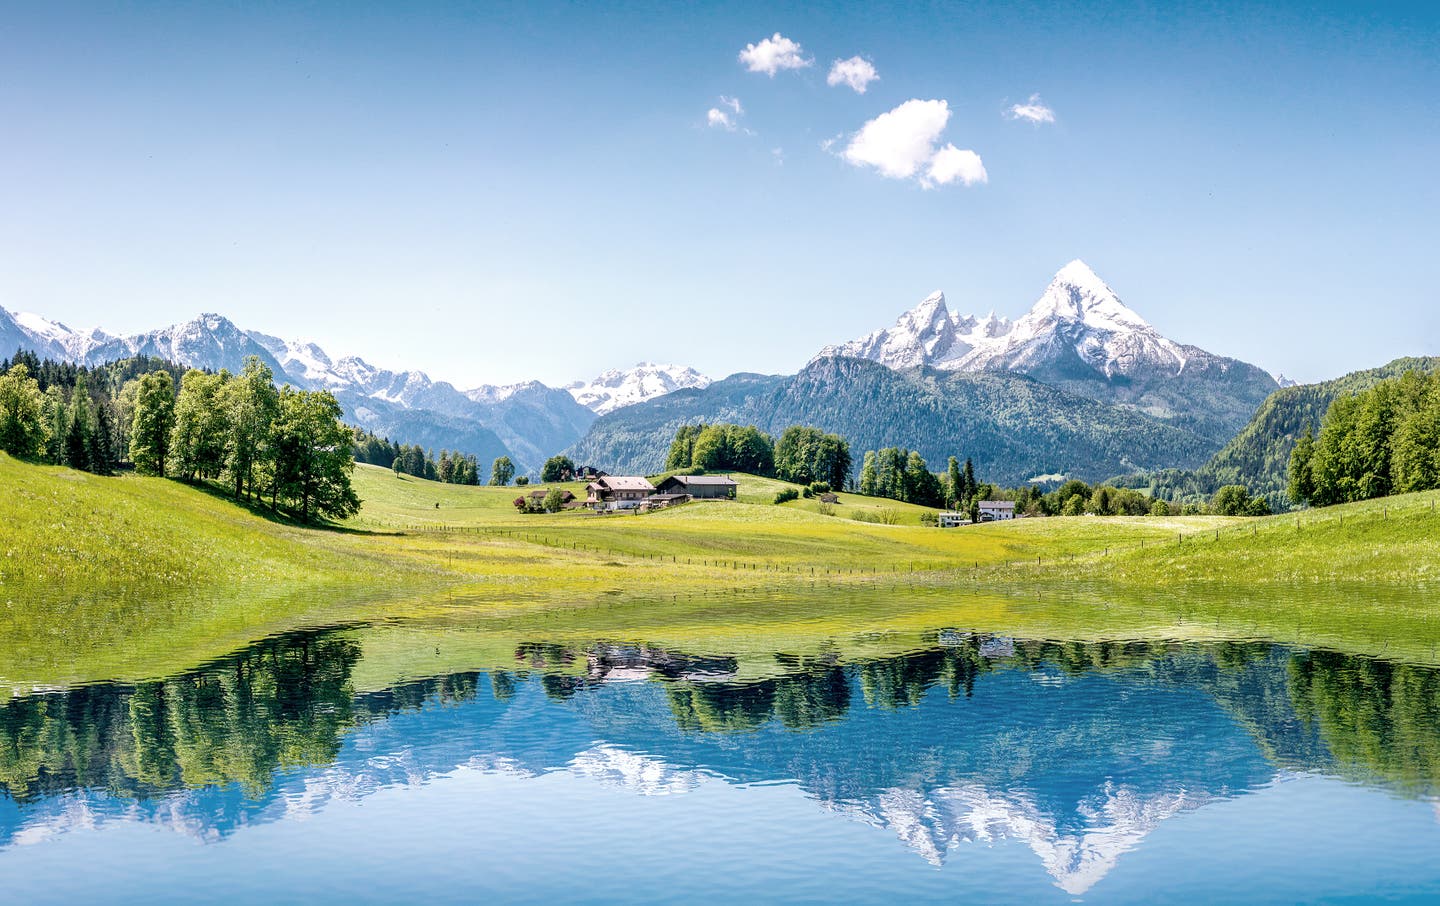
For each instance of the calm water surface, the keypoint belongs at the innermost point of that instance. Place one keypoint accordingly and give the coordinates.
(979, 767)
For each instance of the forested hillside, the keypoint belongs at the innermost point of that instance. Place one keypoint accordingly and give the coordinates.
(1014, 427)
(1259, 456)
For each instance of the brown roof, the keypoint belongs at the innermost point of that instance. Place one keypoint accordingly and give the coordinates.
(703, 479)
(625, 483)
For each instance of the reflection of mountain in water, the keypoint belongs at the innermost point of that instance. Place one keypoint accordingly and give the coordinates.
(1077, 750)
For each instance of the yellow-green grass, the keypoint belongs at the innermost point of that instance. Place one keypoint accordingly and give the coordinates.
(750, 532)
(1394, 540)
(129, 577)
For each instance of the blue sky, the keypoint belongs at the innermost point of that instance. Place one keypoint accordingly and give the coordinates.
(496, 193)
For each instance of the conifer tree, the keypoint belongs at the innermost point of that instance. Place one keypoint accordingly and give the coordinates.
(101, 448)
(869, 476)
(1302, 483)
(954, 481)
(80, 426)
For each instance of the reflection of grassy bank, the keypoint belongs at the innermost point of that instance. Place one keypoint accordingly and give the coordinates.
(1394, 622)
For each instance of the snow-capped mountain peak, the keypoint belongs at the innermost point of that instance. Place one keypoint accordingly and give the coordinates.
(1077, 293)
(1077, 317)
(618, 387)
(499, 393)
(919, 336)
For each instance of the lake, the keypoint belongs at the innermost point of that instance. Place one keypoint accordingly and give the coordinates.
(969, 765)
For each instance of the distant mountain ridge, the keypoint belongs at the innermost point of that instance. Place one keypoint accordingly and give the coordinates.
(1080, 384)
(1081, 338)
(1015, 427)
(527, 422)
(617, 388)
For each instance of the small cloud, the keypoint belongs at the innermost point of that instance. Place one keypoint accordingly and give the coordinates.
(732, 103)
(951, 164)
(900, 144)
(778, 155)
(1033, 111)
(719, 119)
(857, 72)
(774, 54)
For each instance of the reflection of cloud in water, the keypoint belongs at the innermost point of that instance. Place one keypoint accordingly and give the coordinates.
(647, 775)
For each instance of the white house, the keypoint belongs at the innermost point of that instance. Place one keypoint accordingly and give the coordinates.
(996, 510)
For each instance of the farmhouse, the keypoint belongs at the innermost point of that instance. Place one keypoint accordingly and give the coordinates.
(617, 492)
(539, 494)
(996, 510)
(700, 487)
(661, 501)
(952, 520)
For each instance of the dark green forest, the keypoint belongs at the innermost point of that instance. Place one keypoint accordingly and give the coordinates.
(1258, 457)
(1014, 428)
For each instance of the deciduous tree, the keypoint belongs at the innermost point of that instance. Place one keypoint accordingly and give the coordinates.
(23, 431)
(154, 420)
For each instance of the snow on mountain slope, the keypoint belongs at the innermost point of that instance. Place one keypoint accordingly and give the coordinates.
(303, 361)
(618, 388)
(14, 337)
(74, 343)
(1080, 338)
(1078, 313)
(210, 341)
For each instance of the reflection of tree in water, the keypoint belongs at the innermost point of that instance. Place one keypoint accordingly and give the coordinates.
(1379, 717)
(817, 694)
(282, 703)
(285, 702)
(289, 702)
(454, 689)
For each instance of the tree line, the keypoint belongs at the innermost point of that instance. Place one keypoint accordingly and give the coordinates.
(71, 415)
(899, 474)
(1377, 442)
(412, 459)
(802, 455)
(281, 445)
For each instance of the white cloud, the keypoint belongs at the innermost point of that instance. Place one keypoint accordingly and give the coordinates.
(901, 142)
(952, 164)
(778, 155)
(719, 119)
(1033, 111)
(732, 103)
(857, 72)
(774, 54)
(901, 145)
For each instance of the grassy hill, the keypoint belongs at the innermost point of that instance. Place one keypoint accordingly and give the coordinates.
(131, 577)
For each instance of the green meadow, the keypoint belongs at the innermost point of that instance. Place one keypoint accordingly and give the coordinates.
(130, 577)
